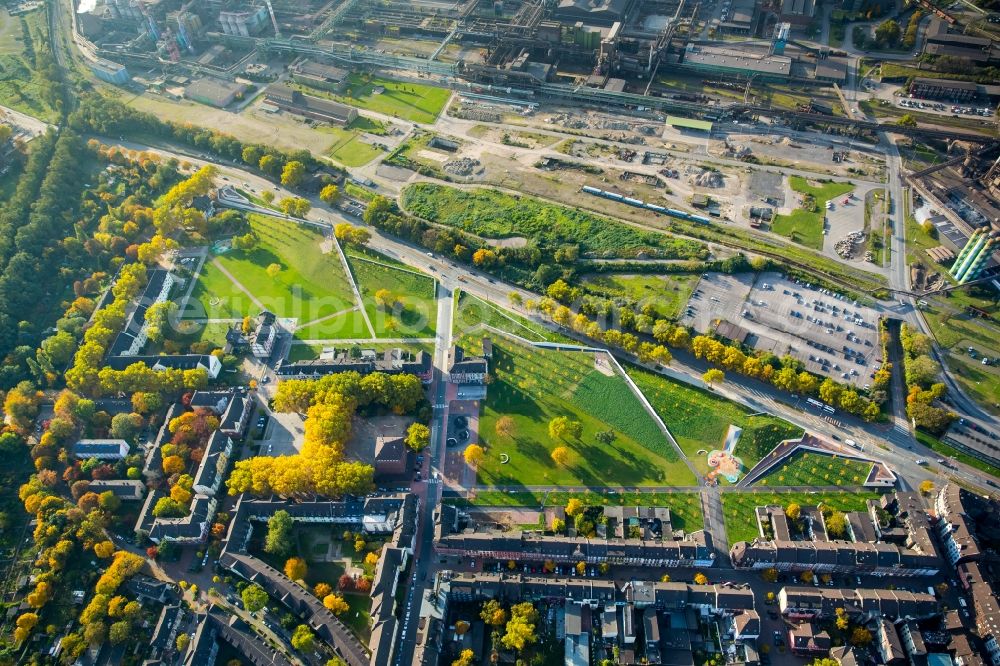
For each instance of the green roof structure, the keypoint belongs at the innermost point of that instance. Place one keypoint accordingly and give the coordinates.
(689, 123)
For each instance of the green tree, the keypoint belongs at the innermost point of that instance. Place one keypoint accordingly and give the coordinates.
(418, 436)
(303, 639)
(907, 120)
(254, 597)
(279, 534)
(888, 32)
(292, 174)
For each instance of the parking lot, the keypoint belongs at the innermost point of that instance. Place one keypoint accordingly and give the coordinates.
(832, 336)
(946, 109)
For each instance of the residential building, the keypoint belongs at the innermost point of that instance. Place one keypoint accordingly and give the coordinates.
(911, 551)
(888, 644)
(135, 332)
(464, 369)
(102, 449)
(956, 526)
(808, 640)
(390, 456)
(207, 362)
(233, 407)
(452, 539)
(212, 468)
(124, 489)
(810, 603)
(362, 361)
(190, 529)
(262, 340)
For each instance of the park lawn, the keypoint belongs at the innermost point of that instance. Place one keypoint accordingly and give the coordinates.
(738, 507)
(668, 294)
(409, 101)
(805, 225)
(216, 297)
(489, 213)
(311, 284)
(417, 318)
(345, 326)
(805, 468)
(534, 386)
(471, 311)
(699, 420)
(685, 507)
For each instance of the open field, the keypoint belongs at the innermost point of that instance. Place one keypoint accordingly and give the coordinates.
(471, 311)
(699, 420)
(415, 313)
(349, 148)
(813, 469)
(805, 225)
(535, 386)
(409, 101)
(311, 284)
(22, 86)
(667, 294)
(738, 507)
(685, 507)
(493, 214)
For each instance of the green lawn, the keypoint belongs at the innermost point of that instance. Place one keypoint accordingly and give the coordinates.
(685, 507)
(534, 386)
(310, 285)
(805, 225)
(416, 317)
(738, 507)
(667, 294)
(470, 311)
(350, 149)
(699, 420)
(493, 214)
(409, 101)
(814, 469)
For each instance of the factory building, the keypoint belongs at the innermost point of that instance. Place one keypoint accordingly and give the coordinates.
(722, 61)
(244, 22)
(111, 72)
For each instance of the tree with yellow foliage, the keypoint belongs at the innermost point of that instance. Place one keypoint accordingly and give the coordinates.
(561, 456)
(296, 568)
(335, 604)
(474, 455)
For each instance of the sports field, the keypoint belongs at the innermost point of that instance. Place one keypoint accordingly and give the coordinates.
(535, 386)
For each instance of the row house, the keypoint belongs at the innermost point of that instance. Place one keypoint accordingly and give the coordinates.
(302, 603)
(190, 529)
(207, 362)
(985, 608)
(956, 526)
(135, 332)
(212, 468)
(532, 547)
(810, 603)
(102, 449)
(834, 557)
(233, 407)
(394, 361)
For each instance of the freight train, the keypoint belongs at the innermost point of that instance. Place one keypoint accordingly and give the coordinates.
(637, 203)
